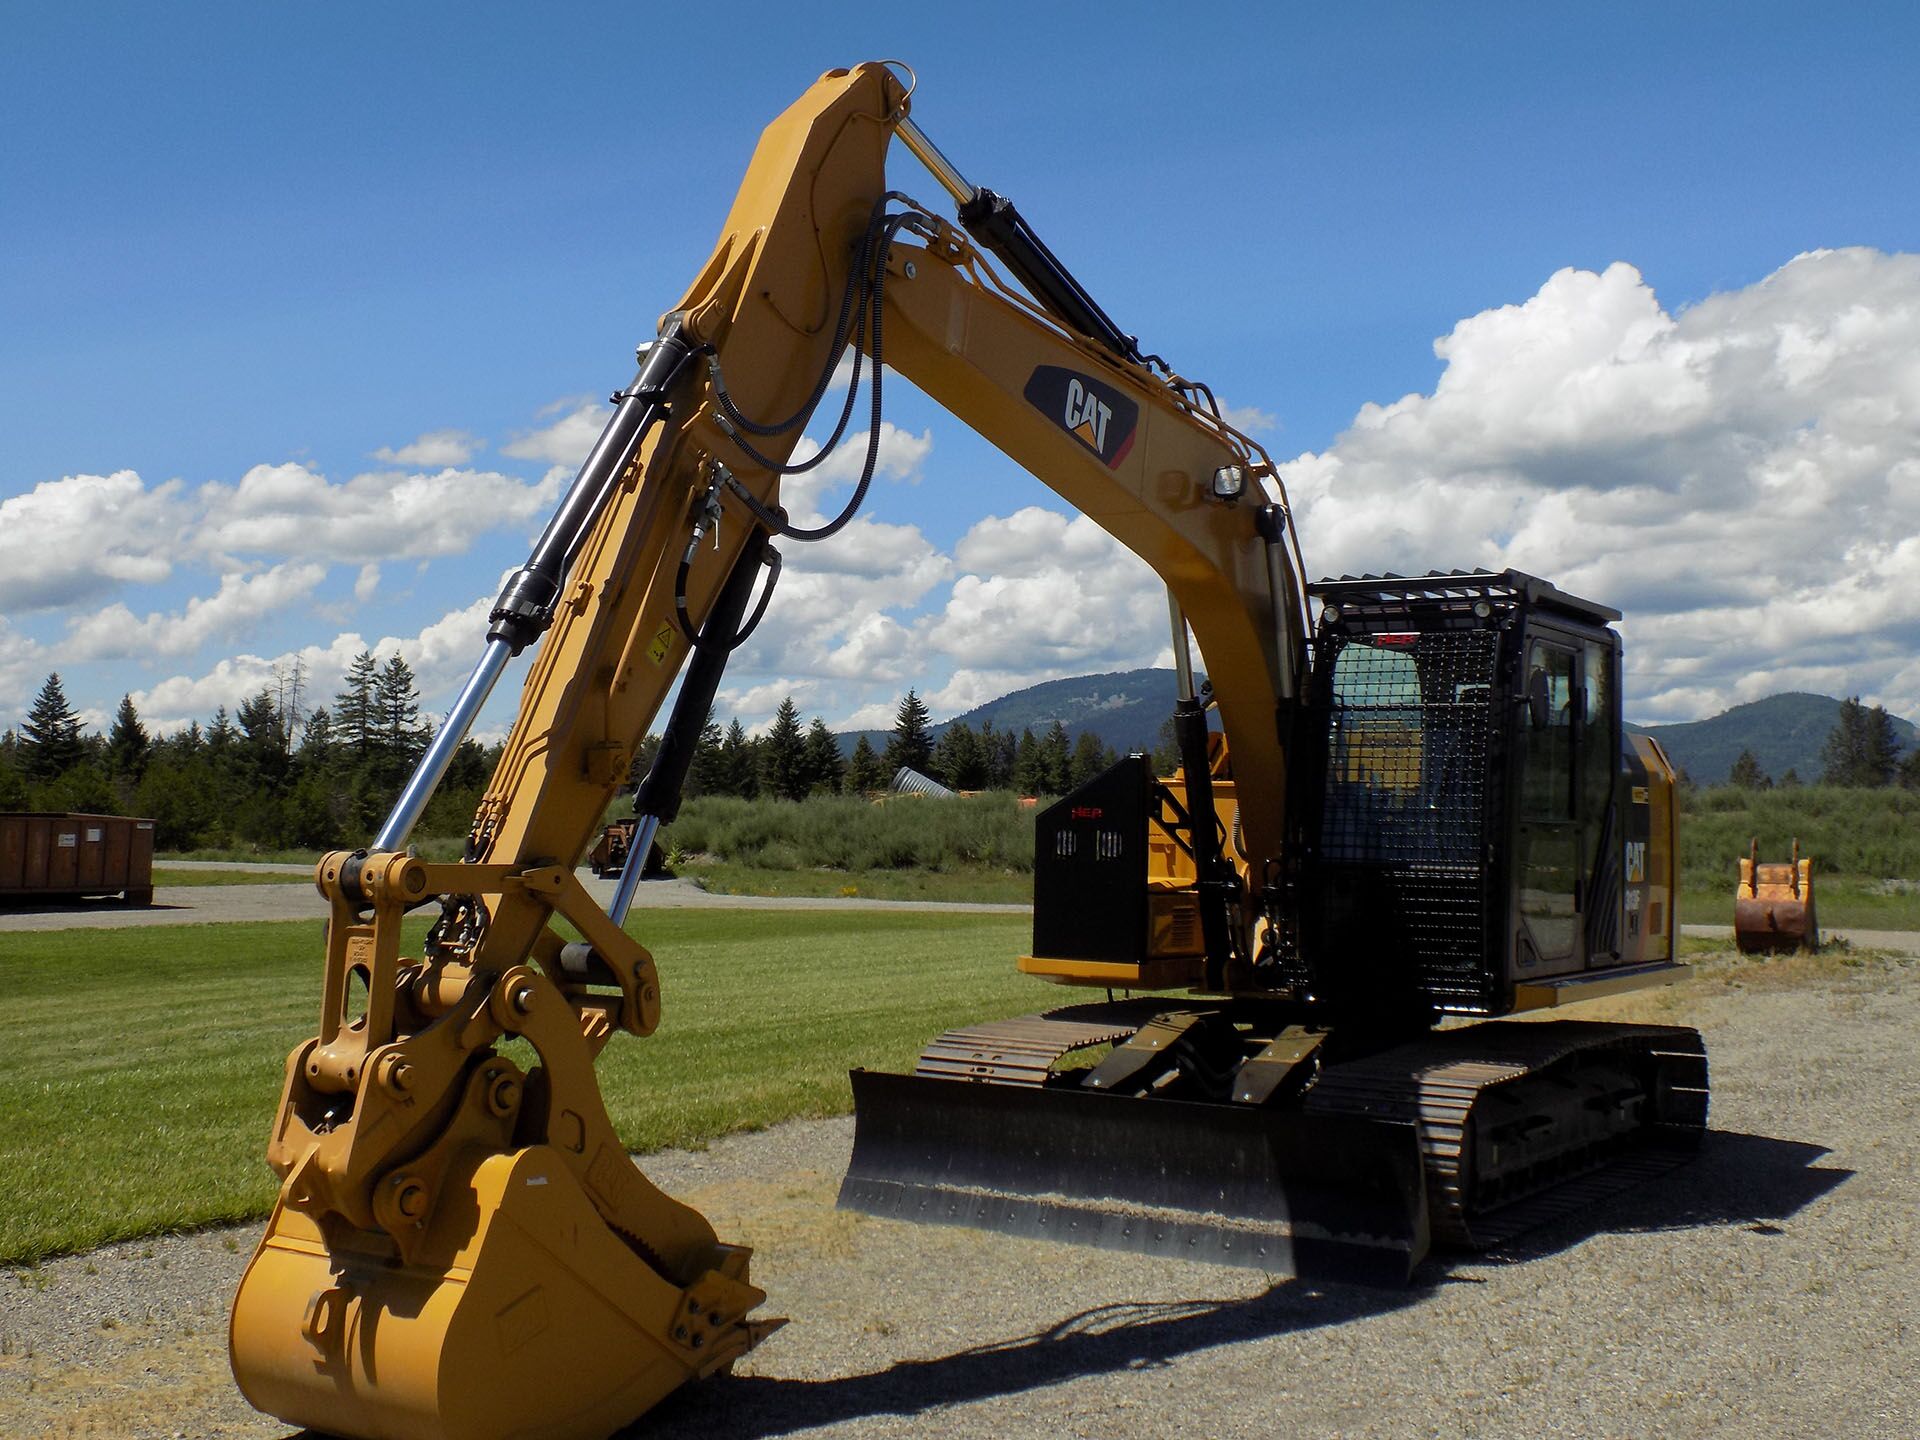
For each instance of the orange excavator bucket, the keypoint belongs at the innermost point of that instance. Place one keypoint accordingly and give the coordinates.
(1773, 908)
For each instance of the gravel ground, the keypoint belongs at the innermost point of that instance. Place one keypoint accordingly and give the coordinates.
(1766, 1289)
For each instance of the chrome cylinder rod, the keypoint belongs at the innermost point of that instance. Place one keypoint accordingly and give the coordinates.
(1182, 652)
(635, 867)
(426, 775)
(928, 154)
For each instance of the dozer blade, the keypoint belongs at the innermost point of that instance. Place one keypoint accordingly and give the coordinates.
(523, 1316)
(1340, 1198)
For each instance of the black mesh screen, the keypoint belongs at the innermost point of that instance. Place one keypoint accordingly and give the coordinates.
(1408, 809)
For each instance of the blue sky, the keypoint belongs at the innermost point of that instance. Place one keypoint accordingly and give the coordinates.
(237, 237)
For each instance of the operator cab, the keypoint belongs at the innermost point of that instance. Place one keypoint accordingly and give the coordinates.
(1483, 840)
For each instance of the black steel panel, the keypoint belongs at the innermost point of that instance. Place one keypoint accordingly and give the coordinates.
(1334, 1198)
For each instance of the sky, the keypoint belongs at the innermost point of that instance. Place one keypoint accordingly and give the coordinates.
(306, 316)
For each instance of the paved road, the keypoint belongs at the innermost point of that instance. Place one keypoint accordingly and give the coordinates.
(223, 904)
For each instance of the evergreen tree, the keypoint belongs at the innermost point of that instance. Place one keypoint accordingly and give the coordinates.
(1166, 749)
(262, 748)
(396, 716)
(1747, 774)
(1861, 748)
(128, 744)
(1001, 748)
(959, 760)
(912, 741)
(316, 737)
(866, 771)
(354, 716)
(1910, 770)
(50, 742)
(783, 755)
(1090, 758)
(1790, 780)
(221, 734)
(737, 763)
(13, 784)
(1057, 751)
(707, 774)
(822, 763)
(1030, 766)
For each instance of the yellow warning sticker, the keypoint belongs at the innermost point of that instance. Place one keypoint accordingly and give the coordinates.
(662, 643)
(1639, 791)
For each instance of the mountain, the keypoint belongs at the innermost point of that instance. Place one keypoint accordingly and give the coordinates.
(1124, 708)
(1785, 732)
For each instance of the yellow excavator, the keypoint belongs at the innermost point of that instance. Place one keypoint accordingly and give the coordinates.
(1399, 800)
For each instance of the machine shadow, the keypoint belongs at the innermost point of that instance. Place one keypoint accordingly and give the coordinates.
(1093, 1342)
(1737, 1179)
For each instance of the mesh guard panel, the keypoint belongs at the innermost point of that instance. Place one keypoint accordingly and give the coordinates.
(1409, 812)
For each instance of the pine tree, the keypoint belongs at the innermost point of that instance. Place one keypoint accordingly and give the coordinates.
(316, 736)
(1790, 780)
(783, 755)
(823, 764)
(1090, 758)
(355, 723)
(220, 733)
(262, 749)
(912, 741)
(128, 744)
(737, 763)
(707, 774)
(1861, 748)
(866, 771)
(1030, 766)
(1910, 770)
(1058, 753)
(959, 760)
(1747, 774)
(396, 715)
(50, 735)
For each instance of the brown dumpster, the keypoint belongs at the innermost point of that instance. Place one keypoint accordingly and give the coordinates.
(71, 857)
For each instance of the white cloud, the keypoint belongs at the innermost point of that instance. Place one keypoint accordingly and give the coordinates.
(366, 582)
(567, 440)
(1742, 477)
(1248, 419)
(441, 655)
(292, 510)
(436, 449)
(68, 541)
(242, 600)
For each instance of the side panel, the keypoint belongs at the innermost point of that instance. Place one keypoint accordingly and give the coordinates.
(1652, 845)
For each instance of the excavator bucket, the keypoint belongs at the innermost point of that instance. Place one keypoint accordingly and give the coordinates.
(1325, 1197)
(1773, 908)
(521, 1315)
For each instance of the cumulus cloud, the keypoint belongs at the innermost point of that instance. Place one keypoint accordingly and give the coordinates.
(566, 440)
(1742, 477)
(291, 509)
(1248, 419)
(241, 601)
(441, 655)
(66, 541)
(436, 449)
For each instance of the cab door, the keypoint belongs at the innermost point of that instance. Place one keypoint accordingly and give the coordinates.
(1547, 864)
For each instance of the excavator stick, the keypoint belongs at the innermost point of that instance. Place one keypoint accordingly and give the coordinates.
(1773, 907)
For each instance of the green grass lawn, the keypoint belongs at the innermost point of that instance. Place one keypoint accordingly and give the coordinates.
(1839, 901)
(139, 1069)
(974, 884)
(162, 875)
